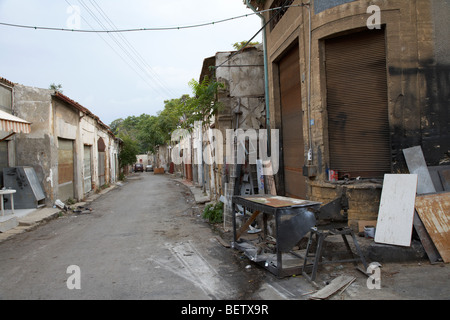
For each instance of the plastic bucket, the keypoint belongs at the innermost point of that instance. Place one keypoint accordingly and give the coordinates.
(369, 232)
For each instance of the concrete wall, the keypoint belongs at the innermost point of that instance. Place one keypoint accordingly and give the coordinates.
(242, 103)
(38, 148)
(54, 118)
(243, 77)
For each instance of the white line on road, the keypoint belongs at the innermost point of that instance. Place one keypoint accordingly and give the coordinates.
(196, 269)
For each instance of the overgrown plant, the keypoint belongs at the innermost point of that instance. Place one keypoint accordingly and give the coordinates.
(146, 133)
(204, 105)
(213, 212)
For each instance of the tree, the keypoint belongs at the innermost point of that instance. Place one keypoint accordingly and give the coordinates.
(157, 130)
(129, 152)
(204, 105)
(147, 132)
(241, 45)
(129, 127)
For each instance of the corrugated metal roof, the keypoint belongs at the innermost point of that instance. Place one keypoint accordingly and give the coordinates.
(9, 123)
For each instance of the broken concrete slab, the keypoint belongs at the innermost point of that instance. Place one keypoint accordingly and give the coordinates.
(38, 216)
(8, 223)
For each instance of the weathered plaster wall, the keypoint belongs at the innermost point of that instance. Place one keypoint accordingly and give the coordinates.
(243, 102)
(37, 149)
(54, 118)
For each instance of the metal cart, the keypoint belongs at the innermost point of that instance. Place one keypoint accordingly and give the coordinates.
(294, 218)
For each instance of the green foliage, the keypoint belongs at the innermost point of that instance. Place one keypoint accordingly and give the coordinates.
(130, 149)
(204, 104)
(56, 87)
(157, 130)
(213, 213)
(147, 132)
(240, 45)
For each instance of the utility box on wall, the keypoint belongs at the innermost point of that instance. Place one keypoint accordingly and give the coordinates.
(29, 193)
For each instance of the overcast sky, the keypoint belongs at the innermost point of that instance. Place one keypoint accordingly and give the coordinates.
(95, 71)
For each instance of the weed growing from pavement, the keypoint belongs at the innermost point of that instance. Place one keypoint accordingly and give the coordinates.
(213, 212)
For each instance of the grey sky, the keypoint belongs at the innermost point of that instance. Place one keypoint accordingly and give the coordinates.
(94, 73)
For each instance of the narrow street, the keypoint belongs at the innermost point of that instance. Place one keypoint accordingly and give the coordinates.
(143, 240)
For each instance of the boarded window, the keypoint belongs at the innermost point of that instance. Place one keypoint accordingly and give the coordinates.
(358, 124)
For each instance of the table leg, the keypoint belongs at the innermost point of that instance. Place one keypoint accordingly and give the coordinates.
(3, 209)
(12, 203)
(233, 206)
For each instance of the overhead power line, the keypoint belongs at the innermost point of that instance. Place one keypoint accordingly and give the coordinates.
(124, 49)
(279, 10)
(199, 25)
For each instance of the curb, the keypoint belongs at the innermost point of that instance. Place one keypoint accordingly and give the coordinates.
(44, 215)
(199, 197)
(31, 222)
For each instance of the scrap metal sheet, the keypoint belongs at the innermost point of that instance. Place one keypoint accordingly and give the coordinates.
(280, 202)
(434, 211)
(395, 217)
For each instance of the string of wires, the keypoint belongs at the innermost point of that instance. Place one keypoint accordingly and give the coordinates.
(115, 30)
(135, 60)
(274, 16)
(123, 48)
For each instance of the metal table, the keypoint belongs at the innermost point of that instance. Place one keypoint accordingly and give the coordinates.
(294, 218)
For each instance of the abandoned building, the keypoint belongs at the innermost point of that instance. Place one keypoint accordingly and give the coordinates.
(242, 106)
(349, 95)
(71, 151)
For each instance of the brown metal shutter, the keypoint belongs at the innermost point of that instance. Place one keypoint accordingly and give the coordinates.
(65, 169)
(292, 124)
(357, 105)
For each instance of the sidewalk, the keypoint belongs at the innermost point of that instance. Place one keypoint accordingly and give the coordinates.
(197, 192)
(25, 220)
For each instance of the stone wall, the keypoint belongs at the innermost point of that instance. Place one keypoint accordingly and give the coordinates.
(418, 82)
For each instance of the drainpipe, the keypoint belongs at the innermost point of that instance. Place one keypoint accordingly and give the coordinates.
(310, 151)
(266, 75)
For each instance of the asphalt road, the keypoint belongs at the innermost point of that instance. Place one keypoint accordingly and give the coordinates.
(143, 240)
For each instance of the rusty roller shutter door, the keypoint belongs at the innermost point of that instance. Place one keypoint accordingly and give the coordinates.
(292, 124)
(357, 105)
(65, 169)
